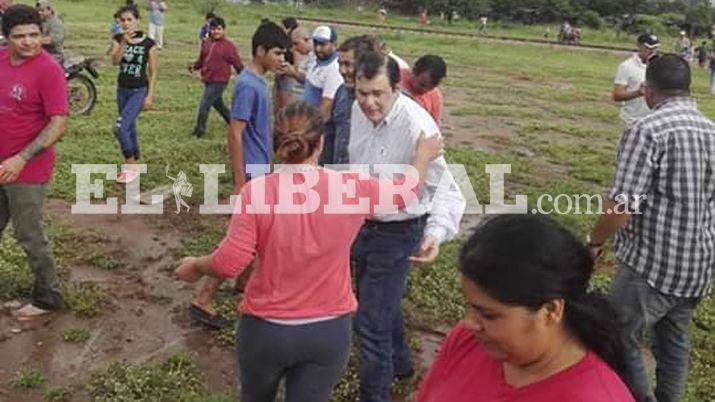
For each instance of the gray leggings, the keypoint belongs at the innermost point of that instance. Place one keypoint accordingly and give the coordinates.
(312, 357)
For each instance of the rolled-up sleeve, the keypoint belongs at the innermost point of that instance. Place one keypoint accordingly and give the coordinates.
(238, 248)
(448, 203)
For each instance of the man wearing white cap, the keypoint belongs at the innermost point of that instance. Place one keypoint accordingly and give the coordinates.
(323, 79)
(629, 78)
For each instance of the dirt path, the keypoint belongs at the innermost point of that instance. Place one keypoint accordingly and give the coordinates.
(142, 321)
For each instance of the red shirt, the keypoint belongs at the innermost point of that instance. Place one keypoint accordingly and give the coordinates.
(303, 265)
(30, 93)
(216, 59)
(464, 372)
(430, 100)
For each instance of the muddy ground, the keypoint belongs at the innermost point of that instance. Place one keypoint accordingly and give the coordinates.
(144, 319)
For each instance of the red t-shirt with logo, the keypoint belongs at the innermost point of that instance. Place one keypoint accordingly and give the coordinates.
(30, 93)
(464, 372)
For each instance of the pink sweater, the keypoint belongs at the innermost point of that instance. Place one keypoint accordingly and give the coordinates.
(303, 264)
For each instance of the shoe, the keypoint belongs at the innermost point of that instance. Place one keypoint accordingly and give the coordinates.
(127, 176)
(213, 321)
(29, 312)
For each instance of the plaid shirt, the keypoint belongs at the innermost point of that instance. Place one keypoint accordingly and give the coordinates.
(669, 157)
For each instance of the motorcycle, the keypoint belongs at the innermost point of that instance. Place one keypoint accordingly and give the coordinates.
(81, 90)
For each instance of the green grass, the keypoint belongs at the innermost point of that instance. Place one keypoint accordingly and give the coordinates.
(57, 395)
(549, 109)
(76, 335)
(173, 380)
(26, 379)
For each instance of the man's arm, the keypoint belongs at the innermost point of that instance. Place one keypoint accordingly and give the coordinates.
(447, 208)
(200, 61)
(10, 168)
(621, 94)
(607, 225)
(235, 151)
(326, 109)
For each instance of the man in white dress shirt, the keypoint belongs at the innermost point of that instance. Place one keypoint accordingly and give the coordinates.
(384, 129)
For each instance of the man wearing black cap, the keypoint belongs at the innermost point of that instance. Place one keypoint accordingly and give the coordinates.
(630, 77)
(323, 79)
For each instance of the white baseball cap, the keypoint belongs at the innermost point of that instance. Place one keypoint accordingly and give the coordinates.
(324, 33)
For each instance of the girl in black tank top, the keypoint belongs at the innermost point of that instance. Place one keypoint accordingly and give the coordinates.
(136, 57)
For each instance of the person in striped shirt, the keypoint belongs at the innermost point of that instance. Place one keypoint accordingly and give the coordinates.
(661, 209)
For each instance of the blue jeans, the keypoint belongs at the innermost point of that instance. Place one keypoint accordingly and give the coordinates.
(380, 260)
(642, 308)
(129, 102)
(212, 96)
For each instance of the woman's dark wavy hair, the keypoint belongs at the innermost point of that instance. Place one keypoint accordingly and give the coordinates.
(528, 260)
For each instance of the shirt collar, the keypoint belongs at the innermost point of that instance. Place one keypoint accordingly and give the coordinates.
(638, 60)
(681, 100)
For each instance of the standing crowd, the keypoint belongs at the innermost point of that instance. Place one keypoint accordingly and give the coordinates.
(533, 329)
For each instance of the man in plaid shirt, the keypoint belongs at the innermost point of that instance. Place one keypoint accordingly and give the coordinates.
(664, 190)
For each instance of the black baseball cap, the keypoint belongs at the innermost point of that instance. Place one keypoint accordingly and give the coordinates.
(648, 40)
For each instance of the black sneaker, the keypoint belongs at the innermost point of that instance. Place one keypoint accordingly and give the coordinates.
(213, 321)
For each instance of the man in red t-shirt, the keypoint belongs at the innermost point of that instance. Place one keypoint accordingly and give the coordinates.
(33, 116)
(422, 84)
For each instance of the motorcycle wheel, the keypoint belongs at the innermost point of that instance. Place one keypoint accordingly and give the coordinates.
(82, 94)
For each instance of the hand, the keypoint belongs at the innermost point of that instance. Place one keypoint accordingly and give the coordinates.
(429, 250)
(10, 168)
(148, 102)
(430, 148)
(287, 69)
(128, 35)
(188, 271)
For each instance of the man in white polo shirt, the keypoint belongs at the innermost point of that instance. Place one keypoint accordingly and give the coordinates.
(323, 79)
(629, 78)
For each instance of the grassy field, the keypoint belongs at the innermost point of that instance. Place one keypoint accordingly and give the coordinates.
(545, 111)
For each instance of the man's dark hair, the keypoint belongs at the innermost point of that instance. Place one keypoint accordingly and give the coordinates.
(19, 14)
(669, 74)
(289, 23)
(210, 16)
(131, 8)
(359, 45)
(217, 22)
(269, 35)
(435, 65)
(372, 63)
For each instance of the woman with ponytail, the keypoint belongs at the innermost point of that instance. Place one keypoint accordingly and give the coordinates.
(295, 313)
(533, 331)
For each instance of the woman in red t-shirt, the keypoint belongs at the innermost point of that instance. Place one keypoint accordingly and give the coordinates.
(533, 332)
